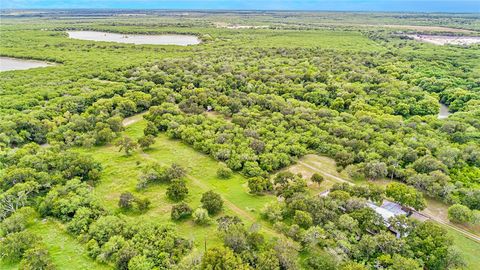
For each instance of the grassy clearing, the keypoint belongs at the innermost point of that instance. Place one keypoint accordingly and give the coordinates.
(325, 166)
(122, 172)
(468, 248)
(66, 252)
(439, 209)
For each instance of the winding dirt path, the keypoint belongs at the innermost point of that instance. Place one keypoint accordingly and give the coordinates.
(133, 119)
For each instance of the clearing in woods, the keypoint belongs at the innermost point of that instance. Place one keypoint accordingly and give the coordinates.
(121, 173)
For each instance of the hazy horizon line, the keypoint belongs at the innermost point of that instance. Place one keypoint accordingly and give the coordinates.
(241, 10)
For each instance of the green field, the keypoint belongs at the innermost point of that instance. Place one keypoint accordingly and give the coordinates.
(121, 174)
(66, 251)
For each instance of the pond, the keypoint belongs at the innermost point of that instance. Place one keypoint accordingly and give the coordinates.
(182, 40)
(444, 113)
(442, 40)
(8, 63)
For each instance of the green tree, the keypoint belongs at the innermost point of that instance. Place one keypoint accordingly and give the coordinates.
(405, 195)
(302, 219)
(17, 197)
(200, 216)
(146, 141)
(177, 190)
(258, 185)
(180, 211)
(235, 237)
(212, 202)
(126, 144)
(431, 244)
(316, 178)
(267, 260)
(222, 258)
(224, 172)
(287, 253)
(320, 261)
(375, 170)
(18, 221)
(36, 258)
(14, 245)
(460, 214)
(140, 262)
(398, 262)
(126, 200)
(105, 227)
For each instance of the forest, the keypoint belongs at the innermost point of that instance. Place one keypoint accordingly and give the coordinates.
(124, 156)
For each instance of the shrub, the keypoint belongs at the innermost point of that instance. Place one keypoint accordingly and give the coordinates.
(180, 211)
(212, 202)
(84, 216)
(177, 190)
(16, 244)
(222, 258)
(273, 211)
(126, 200)
(375, 170)
(105, 227)
(460, 214)
(18, 221)
(175, 172)
(142, 204)
(224, 172)
(200, 216)
(36, 258)
(146, 141)
(302, 219)
(126, 144)
(316, 178)
(321, 261)
(259, 185)
(140, 262)
(157, 173)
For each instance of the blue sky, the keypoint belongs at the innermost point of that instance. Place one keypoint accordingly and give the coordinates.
(355, 5)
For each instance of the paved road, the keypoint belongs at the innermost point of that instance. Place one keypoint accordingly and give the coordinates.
(437, 219)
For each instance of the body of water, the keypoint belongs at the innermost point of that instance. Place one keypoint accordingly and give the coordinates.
(182, 40)
(443, 40)
(8, 63)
